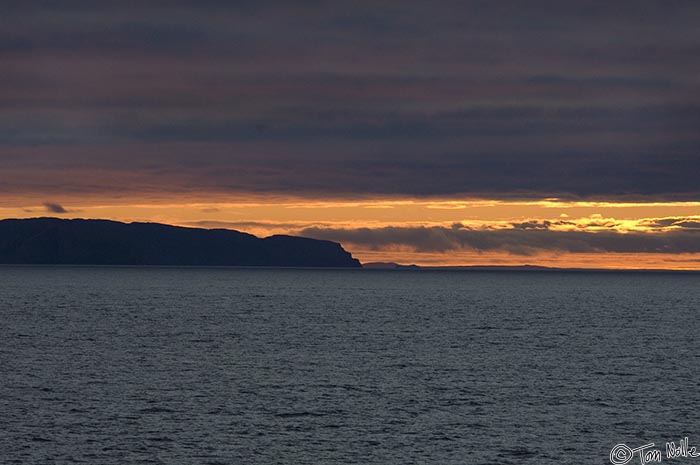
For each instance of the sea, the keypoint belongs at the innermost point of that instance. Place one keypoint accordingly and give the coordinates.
(157, 365)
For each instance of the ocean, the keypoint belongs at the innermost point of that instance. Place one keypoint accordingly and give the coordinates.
(120, 365)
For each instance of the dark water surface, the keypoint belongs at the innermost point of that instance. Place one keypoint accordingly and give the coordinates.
(246, 366)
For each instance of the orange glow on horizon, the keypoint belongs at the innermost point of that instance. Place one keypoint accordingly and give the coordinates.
(266, 215)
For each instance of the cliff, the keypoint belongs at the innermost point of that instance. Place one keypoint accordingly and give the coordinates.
(102, 242)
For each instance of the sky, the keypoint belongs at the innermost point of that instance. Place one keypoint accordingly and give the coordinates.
(439, 133)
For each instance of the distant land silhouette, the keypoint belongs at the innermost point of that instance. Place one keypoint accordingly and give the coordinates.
(398, 266)
(103, 242)
(391, 266)
(388, 266)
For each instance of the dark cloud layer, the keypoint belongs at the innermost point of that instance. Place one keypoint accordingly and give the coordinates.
(54, 208)
(517, 241)
(582, 99)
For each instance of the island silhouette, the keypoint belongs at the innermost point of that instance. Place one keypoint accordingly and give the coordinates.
(55, 241)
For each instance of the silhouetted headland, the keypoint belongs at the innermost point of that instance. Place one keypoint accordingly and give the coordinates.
(102, 242)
